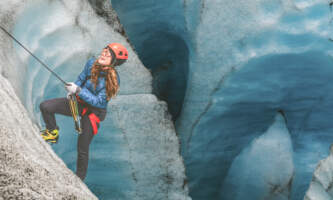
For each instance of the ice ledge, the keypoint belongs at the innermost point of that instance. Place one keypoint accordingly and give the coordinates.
(157, 168)
(321, 186)
(28, 167)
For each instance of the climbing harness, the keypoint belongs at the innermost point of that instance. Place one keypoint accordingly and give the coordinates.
(93, 118)
(75, 112)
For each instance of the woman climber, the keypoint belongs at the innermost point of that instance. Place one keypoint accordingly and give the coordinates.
(95, 86)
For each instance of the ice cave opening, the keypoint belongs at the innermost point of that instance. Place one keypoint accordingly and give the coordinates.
(243, 109)
(160, 42)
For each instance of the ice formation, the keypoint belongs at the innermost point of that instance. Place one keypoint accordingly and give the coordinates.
(136, 154)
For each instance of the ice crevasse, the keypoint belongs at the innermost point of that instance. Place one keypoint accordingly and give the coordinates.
(246, 86)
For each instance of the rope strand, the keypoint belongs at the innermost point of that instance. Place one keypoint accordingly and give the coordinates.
(41, 62)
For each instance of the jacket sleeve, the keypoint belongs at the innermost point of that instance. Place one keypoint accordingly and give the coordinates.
(83, 75)
(98, 100)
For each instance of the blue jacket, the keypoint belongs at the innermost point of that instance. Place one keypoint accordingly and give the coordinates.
(98, 97)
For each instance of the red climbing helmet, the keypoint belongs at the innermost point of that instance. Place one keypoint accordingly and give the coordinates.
(118, 51)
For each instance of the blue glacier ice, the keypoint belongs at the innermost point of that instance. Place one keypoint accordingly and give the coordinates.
(157, 31)
(246, 87)
(273, 153)
(136, 154)
(247, 62)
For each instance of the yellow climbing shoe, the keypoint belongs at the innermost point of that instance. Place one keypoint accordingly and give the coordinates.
(50, 136)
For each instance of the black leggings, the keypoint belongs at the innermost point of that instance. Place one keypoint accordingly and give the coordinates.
(61, 106)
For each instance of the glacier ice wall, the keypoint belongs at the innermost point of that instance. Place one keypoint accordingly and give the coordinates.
(136, 152)
(247, 61)
(29, 169)
(283, 52)
(157, 31)
(246, 106)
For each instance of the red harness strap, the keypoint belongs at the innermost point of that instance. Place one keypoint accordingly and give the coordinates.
(84, 111)
(94, 120)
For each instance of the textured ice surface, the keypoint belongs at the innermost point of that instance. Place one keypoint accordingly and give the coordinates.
(263, 56)
(245, 107)
(268, 155)
(322, 180)
(136, 154)
(29, 169)
(247, 61)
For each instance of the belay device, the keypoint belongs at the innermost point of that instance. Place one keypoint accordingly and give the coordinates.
(75, 112)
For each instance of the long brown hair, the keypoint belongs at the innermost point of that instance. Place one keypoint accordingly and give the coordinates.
(111, 79)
